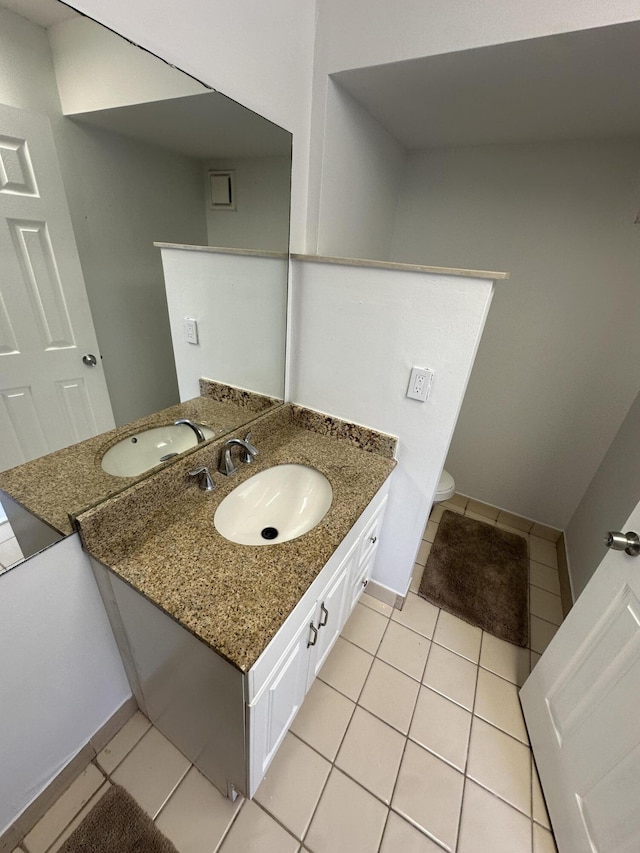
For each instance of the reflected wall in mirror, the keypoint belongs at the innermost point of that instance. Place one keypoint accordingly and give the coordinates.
(107, 150)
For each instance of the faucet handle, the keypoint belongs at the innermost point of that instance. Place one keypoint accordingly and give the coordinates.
(250, 450)
(206, 480)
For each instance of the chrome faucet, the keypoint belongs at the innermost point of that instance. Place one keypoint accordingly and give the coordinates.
(197, 428)
(226, 465)
(205, 480)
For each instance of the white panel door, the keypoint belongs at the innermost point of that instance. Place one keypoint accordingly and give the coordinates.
(48, 397)
(581, 704)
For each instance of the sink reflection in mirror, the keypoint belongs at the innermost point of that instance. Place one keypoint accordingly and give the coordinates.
(138, 453)
(275, 505)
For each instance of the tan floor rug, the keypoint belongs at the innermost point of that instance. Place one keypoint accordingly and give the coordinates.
(481, 574)
(117, 824)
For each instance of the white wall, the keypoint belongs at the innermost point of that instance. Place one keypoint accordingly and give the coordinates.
(362, 328)
(261, 220)
(557, 368)
(260, 54)
(96, 69)
(26, 68)
(361, 174)
(609, 499)
(124, 195)
(372, 32)
(60, 670)
(240, 305)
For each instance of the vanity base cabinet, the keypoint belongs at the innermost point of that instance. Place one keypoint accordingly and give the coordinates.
(230, 724)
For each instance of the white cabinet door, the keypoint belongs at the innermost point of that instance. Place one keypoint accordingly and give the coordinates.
(330, 615)
(581, 707)
(271, 714)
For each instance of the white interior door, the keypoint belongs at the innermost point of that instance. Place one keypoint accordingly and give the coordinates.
(48, 397)
(581, 704)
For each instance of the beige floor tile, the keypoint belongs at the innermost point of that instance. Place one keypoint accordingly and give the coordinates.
(418, 571)
(152, 771)
(552, 534)
(540, 813)
(417, 614)
(346, 668)
(6, 531)
(365, 628)
(424, 550)
(490, 824)
(376, 604)
(62, 812)
(371, 753)
(477, 517)
(544, 577)
(429, 534)
(545, 604)
(543, 840)
(123, 742)
(401, 837)
(442, 727)
(500, 763)
(197, 816)
(485, 511)
(542, 632)
(10, 552)
(348, 819)
(429, 793)
(451, 675)
(436, 513)
(535, 657)
(458, 636)
(254, 831)
(323, 718)
(404, 649)
(505, 659)
(390, 695)
(456, 502)
(514, 521)
(75, 823)
(497, 702)
(293, 783)
(542, 551)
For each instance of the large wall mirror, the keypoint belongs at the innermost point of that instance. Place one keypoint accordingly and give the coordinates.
(122, 152)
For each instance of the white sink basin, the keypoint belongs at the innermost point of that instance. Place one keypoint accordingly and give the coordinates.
(144, 450)
(275, 505)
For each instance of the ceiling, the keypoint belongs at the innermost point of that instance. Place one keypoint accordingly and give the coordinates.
(205, 126)
(44, 13)
(570, 86)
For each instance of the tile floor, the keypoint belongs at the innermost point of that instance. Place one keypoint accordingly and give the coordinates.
(411, 739)
(10, 552)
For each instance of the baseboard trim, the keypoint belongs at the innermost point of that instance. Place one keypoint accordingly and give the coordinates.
(13, 836)
(566, 597)
(386, 595)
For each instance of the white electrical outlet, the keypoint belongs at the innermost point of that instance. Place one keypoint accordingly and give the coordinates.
(190, 331)
(420, 383)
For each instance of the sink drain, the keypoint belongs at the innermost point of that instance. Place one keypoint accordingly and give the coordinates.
(269, 533)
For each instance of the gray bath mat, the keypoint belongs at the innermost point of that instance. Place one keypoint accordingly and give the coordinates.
(117, 824)
(481, 574)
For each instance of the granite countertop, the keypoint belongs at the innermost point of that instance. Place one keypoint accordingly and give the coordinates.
(62, 484)
(234, 597)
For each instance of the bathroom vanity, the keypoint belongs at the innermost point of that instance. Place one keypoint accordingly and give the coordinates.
(221, 641)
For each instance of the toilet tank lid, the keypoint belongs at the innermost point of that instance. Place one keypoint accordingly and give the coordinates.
(445, 482)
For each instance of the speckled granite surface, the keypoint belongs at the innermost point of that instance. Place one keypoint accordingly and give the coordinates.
(63, 483)
(359, 436)
(159, 536)
(249, 400)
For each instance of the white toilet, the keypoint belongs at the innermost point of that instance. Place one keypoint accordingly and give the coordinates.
(446, 488)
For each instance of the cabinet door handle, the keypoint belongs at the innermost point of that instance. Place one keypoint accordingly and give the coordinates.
(373, 539)
(365, 581)
(324, 618)
(314, 630)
